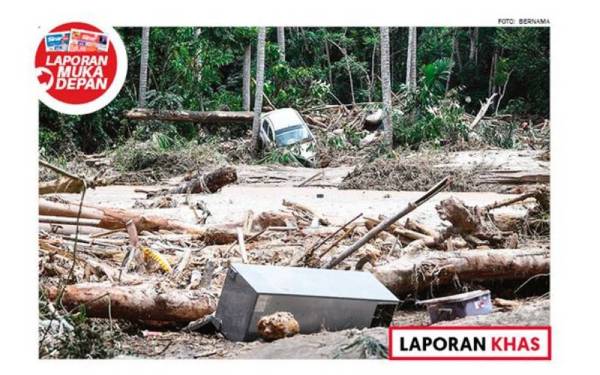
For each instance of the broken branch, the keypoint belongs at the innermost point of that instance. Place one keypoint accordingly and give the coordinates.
(384, 224)
(482, 111)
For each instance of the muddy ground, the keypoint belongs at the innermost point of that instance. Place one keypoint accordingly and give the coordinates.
(264, 187)
(348, 344)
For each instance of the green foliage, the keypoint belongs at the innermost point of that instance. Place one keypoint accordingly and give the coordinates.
(503, 71)
(353, 136)
(435, 43)
(79, 336)
(336, 142)
(164, 100)
(164, 153)
(135, 156)
(348, 139)
(429, 114)
(500, 136)
(516, 106)
(296, 87)
(433, 78)
(438, 125)
(164, 142)
(285, 156)
(365, 346)
(89, 339)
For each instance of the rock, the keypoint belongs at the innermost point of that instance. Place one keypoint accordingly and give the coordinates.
(277, 326)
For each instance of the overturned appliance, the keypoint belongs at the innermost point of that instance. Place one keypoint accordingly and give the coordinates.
(477, 302)
(318, 299)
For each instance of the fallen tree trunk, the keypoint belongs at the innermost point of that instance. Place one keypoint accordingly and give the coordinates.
(207, 183)
(60, 220)
(67, 184)
(61, 185)
(138, 302)
(200, 183)
(116, 218)
(418, 271)
(209, 117)
(515, 177)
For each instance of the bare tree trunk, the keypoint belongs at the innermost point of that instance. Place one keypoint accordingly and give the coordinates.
(260, 79)
(386, 86)
(502, 91)
(451, 62)
(348, 68)
(411, 59)
(144, 66)
(473, 40)
(328, 63)
(198, 65)
(491, 83)
(117, 218)
(456, 48)
(281, 42)
(373, 77)
(63, 184)
(137, 302)
(246, 77)
(349, 76)
(419, 271)
(207, 183)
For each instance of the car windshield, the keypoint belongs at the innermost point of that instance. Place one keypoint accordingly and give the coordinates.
(291, 135)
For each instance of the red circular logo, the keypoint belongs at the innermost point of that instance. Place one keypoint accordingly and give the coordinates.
(80, 67)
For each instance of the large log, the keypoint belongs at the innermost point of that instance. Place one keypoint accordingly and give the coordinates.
(210, 117)
(137, 302)
(207, 183)
(66, 184)
(515, 177)
(116, 218)
(63, 184)
(418, 271)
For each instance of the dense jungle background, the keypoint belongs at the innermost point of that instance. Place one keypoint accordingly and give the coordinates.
(202, 69)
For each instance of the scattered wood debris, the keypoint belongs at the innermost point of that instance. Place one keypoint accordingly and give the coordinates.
(142, 266)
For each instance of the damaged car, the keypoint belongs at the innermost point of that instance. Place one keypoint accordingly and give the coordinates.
(285, 129)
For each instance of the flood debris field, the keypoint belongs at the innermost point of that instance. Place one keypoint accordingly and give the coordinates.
(316, 155)
(127, 270)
